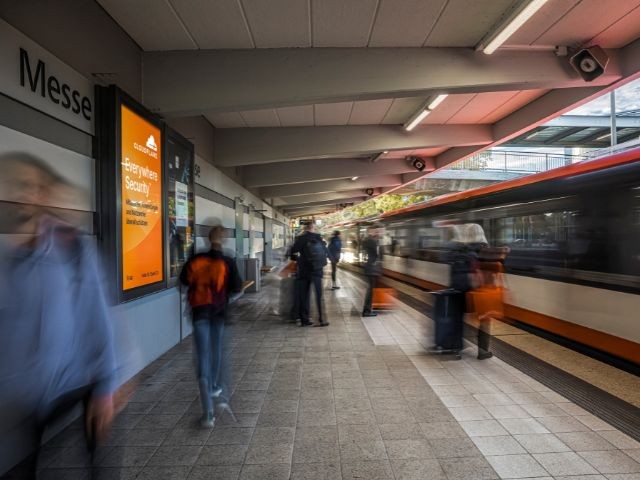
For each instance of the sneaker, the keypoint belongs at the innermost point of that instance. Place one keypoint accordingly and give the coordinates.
(322, 324)
(369, 314)
(216, 392)
(336, 287)
(305, 324)
(208, 420)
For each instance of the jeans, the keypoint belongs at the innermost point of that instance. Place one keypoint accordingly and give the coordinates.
(207, 334)
(368, 298)
(305, 294)
(334, 268)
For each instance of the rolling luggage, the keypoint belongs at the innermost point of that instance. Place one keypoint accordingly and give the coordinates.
(448, 312)
(383, 298)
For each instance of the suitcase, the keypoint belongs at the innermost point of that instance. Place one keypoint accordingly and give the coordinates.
(383, 298)
(448, 313)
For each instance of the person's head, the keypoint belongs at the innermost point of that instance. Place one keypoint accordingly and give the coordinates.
(216, 234)
(28, 183)
(310, 227)
(475, 234)
(336, 233)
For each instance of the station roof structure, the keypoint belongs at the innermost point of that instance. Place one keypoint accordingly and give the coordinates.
(306, 94)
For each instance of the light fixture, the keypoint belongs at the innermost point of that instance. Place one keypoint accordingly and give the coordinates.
(354, 178)
(378, 156)
(437, 101)
(602, 137)
(497, 36)
(416, 118)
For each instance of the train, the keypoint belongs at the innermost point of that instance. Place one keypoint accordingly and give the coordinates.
(573, 268)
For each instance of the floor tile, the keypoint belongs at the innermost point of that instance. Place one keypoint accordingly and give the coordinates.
(222, 455)
(541, 443)
(408, 449)
(516, 466)
(175, 455)
(518, 426)
(502, 445)
(265, 472)
(374, 470)
(483, 428)
(470, 468)
(269, 453)
(230, 436)
(417, 470)
(227, 472)
(316, 471)
(611, 461)
(585, 441)
(566, 463)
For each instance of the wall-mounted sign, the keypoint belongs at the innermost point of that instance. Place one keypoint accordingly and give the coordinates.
(141, 200)
(32, 75)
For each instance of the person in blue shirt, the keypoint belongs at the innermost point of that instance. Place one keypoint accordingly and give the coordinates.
(335, 251)
(56, 339)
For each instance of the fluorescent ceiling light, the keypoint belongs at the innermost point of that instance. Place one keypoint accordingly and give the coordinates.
(529, 137)
(602, 137)
(416, 119)
(354, 178)
(514, 22)
(437, 101)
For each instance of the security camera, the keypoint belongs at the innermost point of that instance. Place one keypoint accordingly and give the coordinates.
(417, 163)
(590, 62)
(369, 191)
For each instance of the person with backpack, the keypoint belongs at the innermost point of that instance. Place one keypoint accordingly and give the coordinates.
(335, 250)
(311, 254)
(211, 277)
(372, 268)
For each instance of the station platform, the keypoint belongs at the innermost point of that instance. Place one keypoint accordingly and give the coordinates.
(357, 400)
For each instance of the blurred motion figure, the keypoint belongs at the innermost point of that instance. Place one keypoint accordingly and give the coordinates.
(56, 341)
(335, 250)
(211, 278)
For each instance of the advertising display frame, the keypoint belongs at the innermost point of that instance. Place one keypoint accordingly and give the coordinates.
(110, 101)
(170, 135)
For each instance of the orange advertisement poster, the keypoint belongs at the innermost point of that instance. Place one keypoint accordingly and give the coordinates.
(141, 196)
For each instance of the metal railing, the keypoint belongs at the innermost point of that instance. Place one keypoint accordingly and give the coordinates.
(517, 162)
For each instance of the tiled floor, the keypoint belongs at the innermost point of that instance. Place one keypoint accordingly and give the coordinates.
(356, 400)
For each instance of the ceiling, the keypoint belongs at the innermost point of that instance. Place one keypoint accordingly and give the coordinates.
(303, 93)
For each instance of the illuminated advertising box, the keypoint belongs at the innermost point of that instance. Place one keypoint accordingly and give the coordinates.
(132, 195)
(141, 200)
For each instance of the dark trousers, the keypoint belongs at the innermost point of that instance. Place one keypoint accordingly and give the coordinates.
(484, 336)
(305, 294)
(334, 268)
(368, 298)
(59, 408)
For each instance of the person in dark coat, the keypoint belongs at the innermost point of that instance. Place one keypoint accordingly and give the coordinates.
(310, 251)
(372, 268)
(335, 250)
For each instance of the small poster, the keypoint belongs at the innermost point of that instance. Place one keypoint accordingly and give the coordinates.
(182, 205)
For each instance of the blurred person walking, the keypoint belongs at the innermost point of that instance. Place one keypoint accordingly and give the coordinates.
(211, 277)
(372, 268)
(335, 251)
(311, 254)
(56, 340)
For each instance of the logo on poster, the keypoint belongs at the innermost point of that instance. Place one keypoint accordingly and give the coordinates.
(151, 143)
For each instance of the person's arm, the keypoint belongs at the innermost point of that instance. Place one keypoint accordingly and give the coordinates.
(235, 281)
(184, 274)
(296, 250)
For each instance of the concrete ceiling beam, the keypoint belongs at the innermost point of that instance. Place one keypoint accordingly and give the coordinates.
(252, 146)
(322, 203)
(309, 171)
(236, 80)
(336, 197)
(295, 189)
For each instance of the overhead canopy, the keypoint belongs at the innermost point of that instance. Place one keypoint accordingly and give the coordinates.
(294, 120)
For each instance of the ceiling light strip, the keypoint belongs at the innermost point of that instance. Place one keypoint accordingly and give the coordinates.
(496, 39)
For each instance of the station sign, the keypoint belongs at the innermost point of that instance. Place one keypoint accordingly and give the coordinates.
(37, 78)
